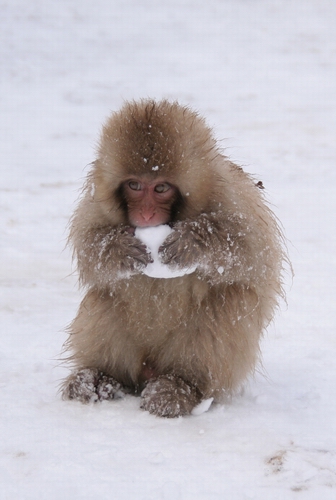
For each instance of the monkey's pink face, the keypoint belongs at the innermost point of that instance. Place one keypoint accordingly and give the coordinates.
(149, 203)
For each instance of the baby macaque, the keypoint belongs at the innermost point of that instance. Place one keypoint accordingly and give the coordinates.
(176, 339)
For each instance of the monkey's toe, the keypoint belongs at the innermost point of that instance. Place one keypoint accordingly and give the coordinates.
(81, 385)
(109, 388)
(169, 396)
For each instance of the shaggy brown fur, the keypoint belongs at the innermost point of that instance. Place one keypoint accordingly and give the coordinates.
(195, 336)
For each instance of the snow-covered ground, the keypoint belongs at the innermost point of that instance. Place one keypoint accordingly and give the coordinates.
(263, 72)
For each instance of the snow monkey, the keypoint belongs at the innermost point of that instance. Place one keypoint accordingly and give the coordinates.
(176, 341)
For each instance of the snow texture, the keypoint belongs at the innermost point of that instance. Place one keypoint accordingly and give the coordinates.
(153, 237)
(263, 73)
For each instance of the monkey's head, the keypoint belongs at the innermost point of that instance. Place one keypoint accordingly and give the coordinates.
(156, 164)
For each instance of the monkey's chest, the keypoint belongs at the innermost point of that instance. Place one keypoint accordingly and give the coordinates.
(158, 305)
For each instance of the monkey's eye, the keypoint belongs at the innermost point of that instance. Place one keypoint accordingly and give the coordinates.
(162, 188)
(134, 185)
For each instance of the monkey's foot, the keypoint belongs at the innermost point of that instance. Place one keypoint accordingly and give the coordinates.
(89, 385)
(169, 396)
(109, 388)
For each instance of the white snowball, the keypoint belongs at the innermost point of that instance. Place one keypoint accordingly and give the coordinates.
(153, 237)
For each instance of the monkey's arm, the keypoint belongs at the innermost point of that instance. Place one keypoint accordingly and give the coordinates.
(106, 254)
(223, 247)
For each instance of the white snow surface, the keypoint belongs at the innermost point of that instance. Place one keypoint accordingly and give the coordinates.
(263, 72)
(153, 237)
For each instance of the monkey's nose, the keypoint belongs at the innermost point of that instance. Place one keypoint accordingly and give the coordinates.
(147, 215)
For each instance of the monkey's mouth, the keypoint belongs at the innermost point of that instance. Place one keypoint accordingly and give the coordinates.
(154, 221)
(147, 224)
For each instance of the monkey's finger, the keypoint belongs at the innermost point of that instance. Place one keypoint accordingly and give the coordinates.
(128, 230)
(172, 239)
(142, 257)
(139, 250)
(170, 255)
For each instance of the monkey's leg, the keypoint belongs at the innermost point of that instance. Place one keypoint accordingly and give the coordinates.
(89, 385)
(169, 396)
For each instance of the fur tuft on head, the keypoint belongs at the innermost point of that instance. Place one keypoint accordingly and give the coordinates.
(159, 140)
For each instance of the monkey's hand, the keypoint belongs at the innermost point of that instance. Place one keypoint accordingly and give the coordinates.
(107, 255)
(189, 244)
(215, 244)
(129, 252)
